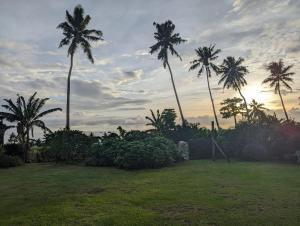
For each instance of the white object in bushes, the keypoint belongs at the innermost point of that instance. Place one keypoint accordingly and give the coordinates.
(183, 148)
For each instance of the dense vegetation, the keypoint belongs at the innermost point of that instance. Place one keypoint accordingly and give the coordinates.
(256, 135)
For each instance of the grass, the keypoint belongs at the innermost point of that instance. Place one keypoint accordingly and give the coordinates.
(191, 193)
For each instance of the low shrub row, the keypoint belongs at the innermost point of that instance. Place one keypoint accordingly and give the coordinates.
(150, 152)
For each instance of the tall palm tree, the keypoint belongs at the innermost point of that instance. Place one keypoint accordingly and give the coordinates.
(166, 39)
(280, 75)
(27, 115)
(76, 33)
(205, 57)
(232, 107)
(233, 76)
(257, 110)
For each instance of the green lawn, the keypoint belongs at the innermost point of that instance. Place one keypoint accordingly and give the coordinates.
(191, 193)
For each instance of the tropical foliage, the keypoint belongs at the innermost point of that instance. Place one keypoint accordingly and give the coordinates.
(76, 34)
(233, 76)
(280, 76)
(27, 115)
(232, 107)
(166, 40)
(205, 61)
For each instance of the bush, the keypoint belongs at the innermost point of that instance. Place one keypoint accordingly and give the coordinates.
(152, 152)
(67, 146)
(104, 153)
(14, 150)
(9, 161)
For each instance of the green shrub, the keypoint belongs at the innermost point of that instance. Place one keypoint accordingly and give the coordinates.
(14, 150)
(104, 153)
(148, 152)
(67, 146)
(152, 152)
(9, 161)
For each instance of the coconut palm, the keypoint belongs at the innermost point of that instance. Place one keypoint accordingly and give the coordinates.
(280, 75)
(166, 40)
(76, 34)
(233, 76)
(26, 115)
(257, 110)
(232, 107)
(205, 58)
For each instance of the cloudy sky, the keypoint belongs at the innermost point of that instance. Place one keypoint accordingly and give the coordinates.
(125, 81)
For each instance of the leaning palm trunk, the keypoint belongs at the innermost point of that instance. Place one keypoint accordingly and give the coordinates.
(245, 102)
(211, 98)
(68, 94)
(286, 115)
(177, 99)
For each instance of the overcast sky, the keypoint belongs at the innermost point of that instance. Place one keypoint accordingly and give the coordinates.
(125, 81)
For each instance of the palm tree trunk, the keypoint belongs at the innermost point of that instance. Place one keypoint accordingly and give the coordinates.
(68, 94)
(177, 99)
(245, 102)
(234, 116)
(286, 115)
(211, 98)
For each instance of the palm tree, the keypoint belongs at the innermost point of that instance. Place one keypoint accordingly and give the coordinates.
(166, 39)
(155, 121)
(205, 58)
(76, 33)
(232, 107)
(233, 76)
(257, 110)
(27, 115)
(280, 76)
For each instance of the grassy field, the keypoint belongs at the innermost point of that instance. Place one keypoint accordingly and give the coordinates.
(191, 193)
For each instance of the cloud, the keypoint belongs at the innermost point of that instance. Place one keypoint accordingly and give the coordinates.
(126, 76)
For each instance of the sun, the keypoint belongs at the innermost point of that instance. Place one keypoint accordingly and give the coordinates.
(256, 92)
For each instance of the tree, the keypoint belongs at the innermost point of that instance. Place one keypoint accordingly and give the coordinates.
(3, 129)
(26, 115)
(155, 120)
(205, 58)
(233, 76)
(76, 33)
(257, 111)
(166, 39)
(163, 122)
(280, 75)
(231, 108)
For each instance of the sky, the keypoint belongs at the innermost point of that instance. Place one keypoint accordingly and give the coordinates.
(126, 81)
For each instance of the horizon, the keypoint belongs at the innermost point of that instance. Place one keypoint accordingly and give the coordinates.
(126, 81)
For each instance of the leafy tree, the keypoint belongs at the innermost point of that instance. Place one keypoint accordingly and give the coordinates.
(280, 75)
(205, 58)
(233, 76)
(168, 117)
(231, 108)
(26, 115)
(166, 39)
(257, 111)
(76, 34)
(163, 122)
(155, 120)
